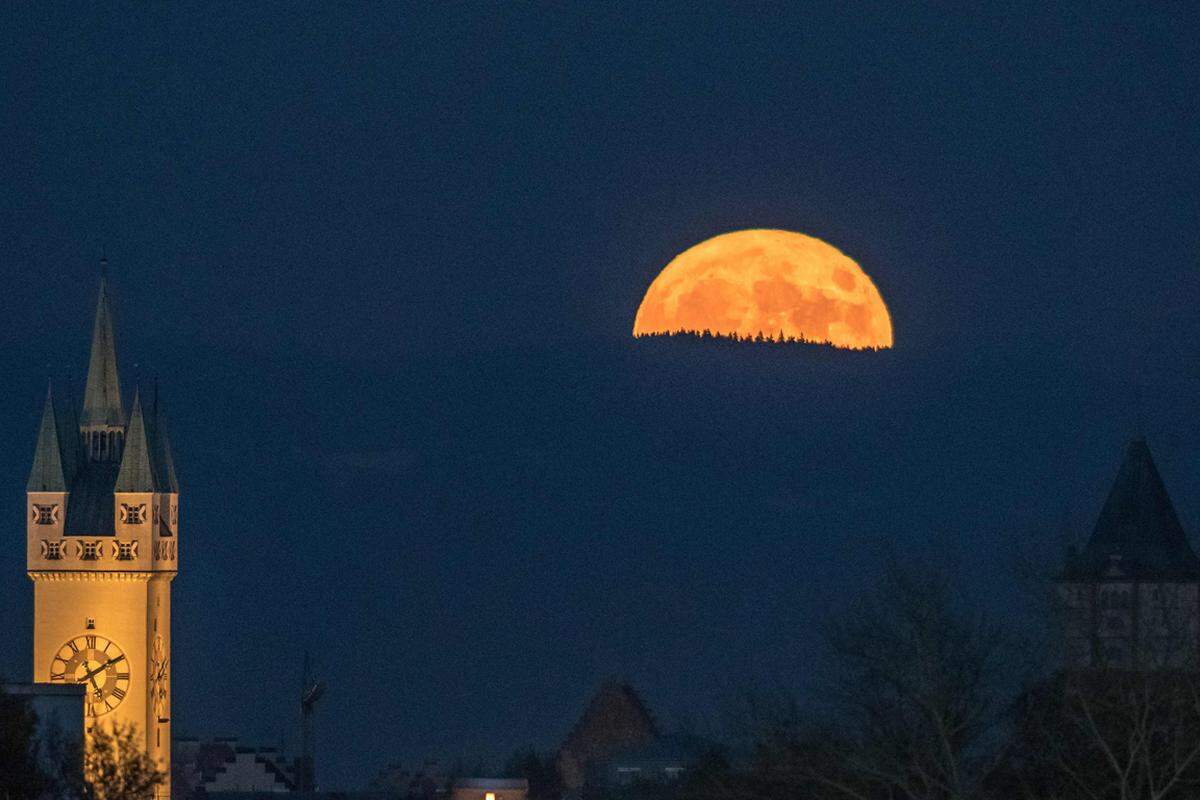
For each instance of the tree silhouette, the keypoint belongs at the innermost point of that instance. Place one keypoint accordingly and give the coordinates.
(116, 767)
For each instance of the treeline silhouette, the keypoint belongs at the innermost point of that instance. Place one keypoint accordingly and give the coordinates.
(925, 696)
(761, 338)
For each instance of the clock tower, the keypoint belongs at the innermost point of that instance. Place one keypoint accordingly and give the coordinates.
(102, 523)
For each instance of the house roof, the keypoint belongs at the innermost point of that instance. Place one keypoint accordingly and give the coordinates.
(616, 719)
(1138, 534)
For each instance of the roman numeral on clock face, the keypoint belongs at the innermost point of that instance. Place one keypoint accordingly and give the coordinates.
(118, 693)
(91, 641)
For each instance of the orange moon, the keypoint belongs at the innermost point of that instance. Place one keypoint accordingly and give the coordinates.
(769, 282)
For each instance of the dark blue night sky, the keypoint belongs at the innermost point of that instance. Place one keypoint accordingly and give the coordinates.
(384, 261)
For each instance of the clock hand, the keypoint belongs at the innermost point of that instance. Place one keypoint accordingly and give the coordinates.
(103, 667)
(88, 676)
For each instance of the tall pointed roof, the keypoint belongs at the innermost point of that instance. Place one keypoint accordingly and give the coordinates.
(1138, 533)
(137, 471)
(102, 398)
(164, 462)
(47, 473)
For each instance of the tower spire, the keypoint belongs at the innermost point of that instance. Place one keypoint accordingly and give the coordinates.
(102, 406)
(47, 473)
(137, 471)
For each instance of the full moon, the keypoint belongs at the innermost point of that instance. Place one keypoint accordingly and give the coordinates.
(769, 282)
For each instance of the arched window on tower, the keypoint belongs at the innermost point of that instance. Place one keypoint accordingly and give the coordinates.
(112, 452)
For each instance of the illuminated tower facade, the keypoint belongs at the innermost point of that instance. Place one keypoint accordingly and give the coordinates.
(102, 549)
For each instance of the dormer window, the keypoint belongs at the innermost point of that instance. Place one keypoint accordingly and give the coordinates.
(45, 514)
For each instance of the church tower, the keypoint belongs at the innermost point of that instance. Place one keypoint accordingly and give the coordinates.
(102, 549)
(1132, 596)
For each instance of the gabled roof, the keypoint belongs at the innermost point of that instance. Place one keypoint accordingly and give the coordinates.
(48, 473)
(137, 472)
(1138, 534)
(102, 398)
(614, 720)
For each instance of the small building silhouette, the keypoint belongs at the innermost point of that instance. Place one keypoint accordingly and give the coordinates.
(614, 721)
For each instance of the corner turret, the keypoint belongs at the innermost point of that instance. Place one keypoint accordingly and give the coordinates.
(53, 470)
(49, 473)
(137, 473)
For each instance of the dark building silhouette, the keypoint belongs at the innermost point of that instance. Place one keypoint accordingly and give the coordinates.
(614, 721)
(1131, 596)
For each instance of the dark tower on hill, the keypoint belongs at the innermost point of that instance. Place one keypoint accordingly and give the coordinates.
(1132, 595)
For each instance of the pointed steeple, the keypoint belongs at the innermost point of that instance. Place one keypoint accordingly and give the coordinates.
(102, 398)
(1138, 533)
(137, 471)
(164, 463)
(47, 474)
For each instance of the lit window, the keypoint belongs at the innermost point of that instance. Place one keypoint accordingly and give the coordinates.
(45, 515)
(490, 796)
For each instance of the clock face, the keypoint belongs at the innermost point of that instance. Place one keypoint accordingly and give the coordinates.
(158, 678)
(99, 665)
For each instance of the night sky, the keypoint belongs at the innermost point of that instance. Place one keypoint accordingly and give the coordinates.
(384, 262)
